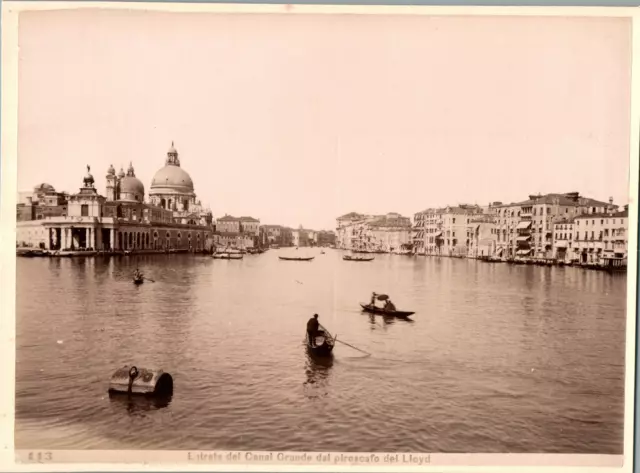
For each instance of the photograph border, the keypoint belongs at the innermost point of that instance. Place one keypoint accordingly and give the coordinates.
(89, 460)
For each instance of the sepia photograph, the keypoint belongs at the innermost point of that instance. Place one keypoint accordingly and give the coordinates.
(285, 235)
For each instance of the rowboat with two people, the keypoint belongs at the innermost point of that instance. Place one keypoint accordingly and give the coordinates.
(357, 258)
(319, 341)
(389, 309)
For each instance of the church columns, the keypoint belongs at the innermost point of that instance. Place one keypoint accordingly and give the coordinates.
(112, 233)
(87, 242)
(47, 243)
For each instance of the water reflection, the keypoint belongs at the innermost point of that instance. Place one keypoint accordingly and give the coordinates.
(317, 371)
(382, 321)
(136, 405)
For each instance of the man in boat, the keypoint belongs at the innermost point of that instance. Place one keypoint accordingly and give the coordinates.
(389, 307)
(373, 299)
(312, 328)
(137, 274)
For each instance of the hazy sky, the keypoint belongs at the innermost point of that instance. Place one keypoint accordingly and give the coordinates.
(298, 119)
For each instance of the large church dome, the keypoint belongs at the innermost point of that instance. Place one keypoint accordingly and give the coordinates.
(171, 178)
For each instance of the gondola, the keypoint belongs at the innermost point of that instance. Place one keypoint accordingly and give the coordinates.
(324, 343)
(285, 258)
(227, 256)
(351, 258)
(381, 311)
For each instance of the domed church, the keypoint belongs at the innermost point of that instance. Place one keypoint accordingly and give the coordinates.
(173, 220)
(171, 189)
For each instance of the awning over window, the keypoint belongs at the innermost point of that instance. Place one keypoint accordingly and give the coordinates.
(438, 234)
(523, 225)
(523, 238)
(523, 252)
(499, 251)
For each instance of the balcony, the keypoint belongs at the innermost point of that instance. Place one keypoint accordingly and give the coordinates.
(524, 227)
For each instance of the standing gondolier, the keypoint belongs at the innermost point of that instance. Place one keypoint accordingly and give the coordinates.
(312, 329)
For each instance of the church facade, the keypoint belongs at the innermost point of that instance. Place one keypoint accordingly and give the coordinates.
(172, 219)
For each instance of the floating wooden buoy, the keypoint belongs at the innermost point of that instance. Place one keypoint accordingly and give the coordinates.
(142, 381)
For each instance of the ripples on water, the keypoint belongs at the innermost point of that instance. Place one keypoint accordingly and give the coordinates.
(500, 358)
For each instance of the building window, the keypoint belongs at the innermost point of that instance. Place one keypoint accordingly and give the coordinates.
(84, 210)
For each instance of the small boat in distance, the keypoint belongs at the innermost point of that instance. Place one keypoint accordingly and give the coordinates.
(138, 277)
(357, 258)
(227, 256)
(323, 342)
(286, 258)
(380, 311)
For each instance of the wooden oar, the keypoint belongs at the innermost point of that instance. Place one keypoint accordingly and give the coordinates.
(355, 348)
(148, 279)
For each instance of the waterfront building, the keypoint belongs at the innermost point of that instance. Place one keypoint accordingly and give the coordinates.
(122, 220)
(444, 231)
(600, 236)
(454, 240)
(387, 233)
(326, 238)
(418, 232)
(428, 238)
(563, 239)
(276, 235)
(347, 226)
(304, 237)
(482, 236)
(525, 229)
(44, 201)
(237, 232)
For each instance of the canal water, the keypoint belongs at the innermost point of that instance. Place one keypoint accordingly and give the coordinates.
(498, 358)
